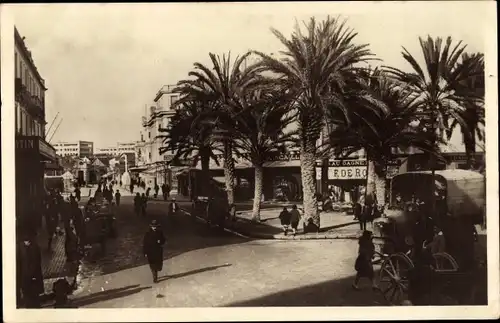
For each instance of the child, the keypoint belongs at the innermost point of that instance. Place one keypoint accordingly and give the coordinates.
(285, 218)
(363, 265)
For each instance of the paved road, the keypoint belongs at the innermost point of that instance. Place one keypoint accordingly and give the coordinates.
(206, 267)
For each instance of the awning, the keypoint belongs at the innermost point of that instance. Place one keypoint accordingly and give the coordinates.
(138, 168)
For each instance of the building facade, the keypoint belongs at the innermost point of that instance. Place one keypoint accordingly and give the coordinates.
(151, 166)
(120, 148)
(75, 148)
(33, 154)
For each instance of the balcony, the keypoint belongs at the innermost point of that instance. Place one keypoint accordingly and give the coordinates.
(164, 89)
(34, 105)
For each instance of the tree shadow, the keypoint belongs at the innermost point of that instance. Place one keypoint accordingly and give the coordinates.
(182, 232)
(339, 292)
(192, 272)
(107, 295)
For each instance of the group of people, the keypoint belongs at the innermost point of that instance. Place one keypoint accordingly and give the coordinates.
(366, 212)
(290, 219)
(29, 270)
(106, 192)
(165, 189)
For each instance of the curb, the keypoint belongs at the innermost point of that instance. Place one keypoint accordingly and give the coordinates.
(225, 229)
(318, 236)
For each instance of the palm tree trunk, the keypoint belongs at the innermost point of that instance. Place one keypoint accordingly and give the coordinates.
(370, 179)
(205, 171)
(307, 169)
(259, 182)
(229, 170)
(470, 147)
(380, 186)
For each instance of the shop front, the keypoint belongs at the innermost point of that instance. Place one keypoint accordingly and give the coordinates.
(346, 180)
(31, 155)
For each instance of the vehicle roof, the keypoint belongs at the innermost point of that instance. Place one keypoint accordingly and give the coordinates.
(451, 174)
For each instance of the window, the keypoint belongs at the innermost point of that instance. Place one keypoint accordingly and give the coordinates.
(15, 66)
(173, 99)
(23, 123)
(18, 118)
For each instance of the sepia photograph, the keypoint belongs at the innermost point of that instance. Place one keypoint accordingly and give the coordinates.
(327, 159)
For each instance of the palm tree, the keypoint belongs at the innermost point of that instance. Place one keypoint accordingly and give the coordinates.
(314, 69)
(189, 138)
(471, 119)
(260, 134)
(223, 84)
(378, 134)
(439, 84)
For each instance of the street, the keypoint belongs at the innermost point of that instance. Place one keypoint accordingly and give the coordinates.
(207, 267)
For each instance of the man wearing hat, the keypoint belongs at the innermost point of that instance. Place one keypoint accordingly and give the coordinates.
(153, 248)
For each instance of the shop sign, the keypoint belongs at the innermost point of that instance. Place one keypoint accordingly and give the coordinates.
(359, 162)
(25, 143)
(353, 172)
(392, 171)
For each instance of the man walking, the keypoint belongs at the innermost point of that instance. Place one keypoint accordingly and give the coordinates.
(153, 248)
(29, 268)
(157, 189)
(144, 204)
(78, 194)
(118, 196)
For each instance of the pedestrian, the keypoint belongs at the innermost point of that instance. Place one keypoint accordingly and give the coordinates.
(132, 187)
(363, 264)
(144, 204)
(157, 189)
(285, 219)
(148, 191)
(294, 219)
(29, 268)
(51, 221)
(66, 213)
(173, 208)
(78, 194)
(365, 216)
(61, 289)
(153, 248)
(118, 197)
(164, 191)
(357, 210)
(121, 183)
(232, 212)
(167, 191)
(138, 204)
(72, 255)
(78, 222)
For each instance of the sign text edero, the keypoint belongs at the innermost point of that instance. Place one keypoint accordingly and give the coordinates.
(354, 172)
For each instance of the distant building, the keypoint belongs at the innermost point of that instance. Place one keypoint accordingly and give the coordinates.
(75, 148)
(33, 155)
(120, 148)
(151, 166)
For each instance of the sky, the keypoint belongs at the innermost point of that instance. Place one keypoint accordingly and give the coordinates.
(103, 63)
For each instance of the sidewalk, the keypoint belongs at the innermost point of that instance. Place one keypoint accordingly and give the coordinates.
(334, 225)
(53, 262)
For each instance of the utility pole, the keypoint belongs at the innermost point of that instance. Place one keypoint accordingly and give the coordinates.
(58, 125)
(51, 124)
